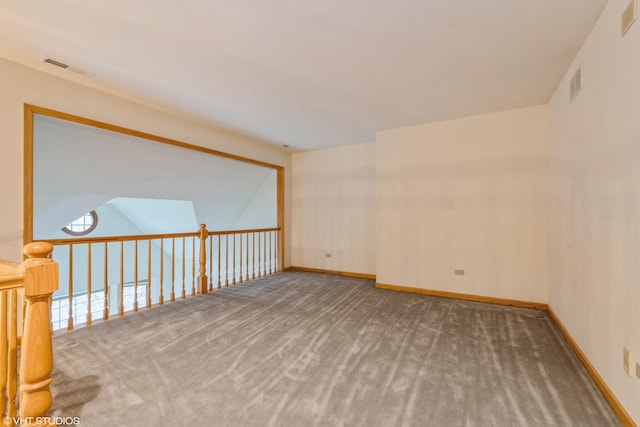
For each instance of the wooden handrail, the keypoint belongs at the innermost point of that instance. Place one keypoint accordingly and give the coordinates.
(185, 266)
(109, 239)
(58, 242)
(11, 275)
(35, 279)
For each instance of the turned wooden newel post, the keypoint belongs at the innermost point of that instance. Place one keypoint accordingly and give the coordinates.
(36, 354)
(202, 278)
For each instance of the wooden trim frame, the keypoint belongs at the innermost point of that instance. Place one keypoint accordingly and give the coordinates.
(468, 297)
(604, 388)
(280, 219)
(27, 174)
(30, 110)
(337, 273)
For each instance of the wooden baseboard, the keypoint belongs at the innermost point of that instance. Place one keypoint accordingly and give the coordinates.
(604, 389)
(338, 273)
(467, 297)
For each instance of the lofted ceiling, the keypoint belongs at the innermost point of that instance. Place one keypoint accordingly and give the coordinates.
(308, 74)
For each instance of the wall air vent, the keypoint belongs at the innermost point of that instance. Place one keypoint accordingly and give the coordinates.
(66, 67)
(576, 84)
(628, 16)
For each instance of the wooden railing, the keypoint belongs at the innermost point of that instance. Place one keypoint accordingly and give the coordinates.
(28, 286)
(118, 274)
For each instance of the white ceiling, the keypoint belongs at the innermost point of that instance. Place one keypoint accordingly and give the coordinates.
(310, 74)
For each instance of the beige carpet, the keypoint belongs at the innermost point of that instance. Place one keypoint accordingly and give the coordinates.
(307, 349)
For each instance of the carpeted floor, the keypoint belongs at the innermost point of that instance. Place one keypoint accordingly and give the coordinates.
(307, 349)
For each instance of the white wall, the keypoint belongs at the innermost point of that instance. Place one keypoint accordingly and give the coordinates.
(594, 222)
(334, 209)
(20, 84)
(465, 194)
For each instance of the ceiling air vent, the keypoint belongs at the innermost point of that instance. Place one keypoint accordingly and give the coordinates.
(628, 16)
(576, 83)
(66, 67)
(56, 63)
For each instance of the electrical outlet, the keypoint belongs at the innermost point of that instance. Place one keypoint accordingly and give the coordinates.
(458, 272)
(627, 362)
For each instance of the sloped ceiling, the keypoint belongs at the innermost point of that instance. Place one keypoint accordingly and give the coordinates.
(78, 168)
(157, 216)
(308, 74)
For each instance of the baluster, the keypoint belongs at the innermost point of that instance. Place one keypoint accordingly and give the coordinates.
(184, 294)
(135, 276)
(148, 287)
(226, 260)
(219, 282)
(193, 266)
(36, 353)
(12, 361)
(247, 246)
(121, 284)
(3, 351)
(89, 320)
(240, 256)
(275, 251)
(70, 295)
(265, 258)
(267, 238)
(173, 268)
(202, 278)
(253, 256)
(233, 271)
(210, 237)
(278, 251)
(270, 254)
(161, 270)
(259, 254)
(105, 315)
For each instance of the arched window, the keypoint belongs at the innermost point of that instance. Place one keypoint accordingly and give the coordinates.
(83, 225)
